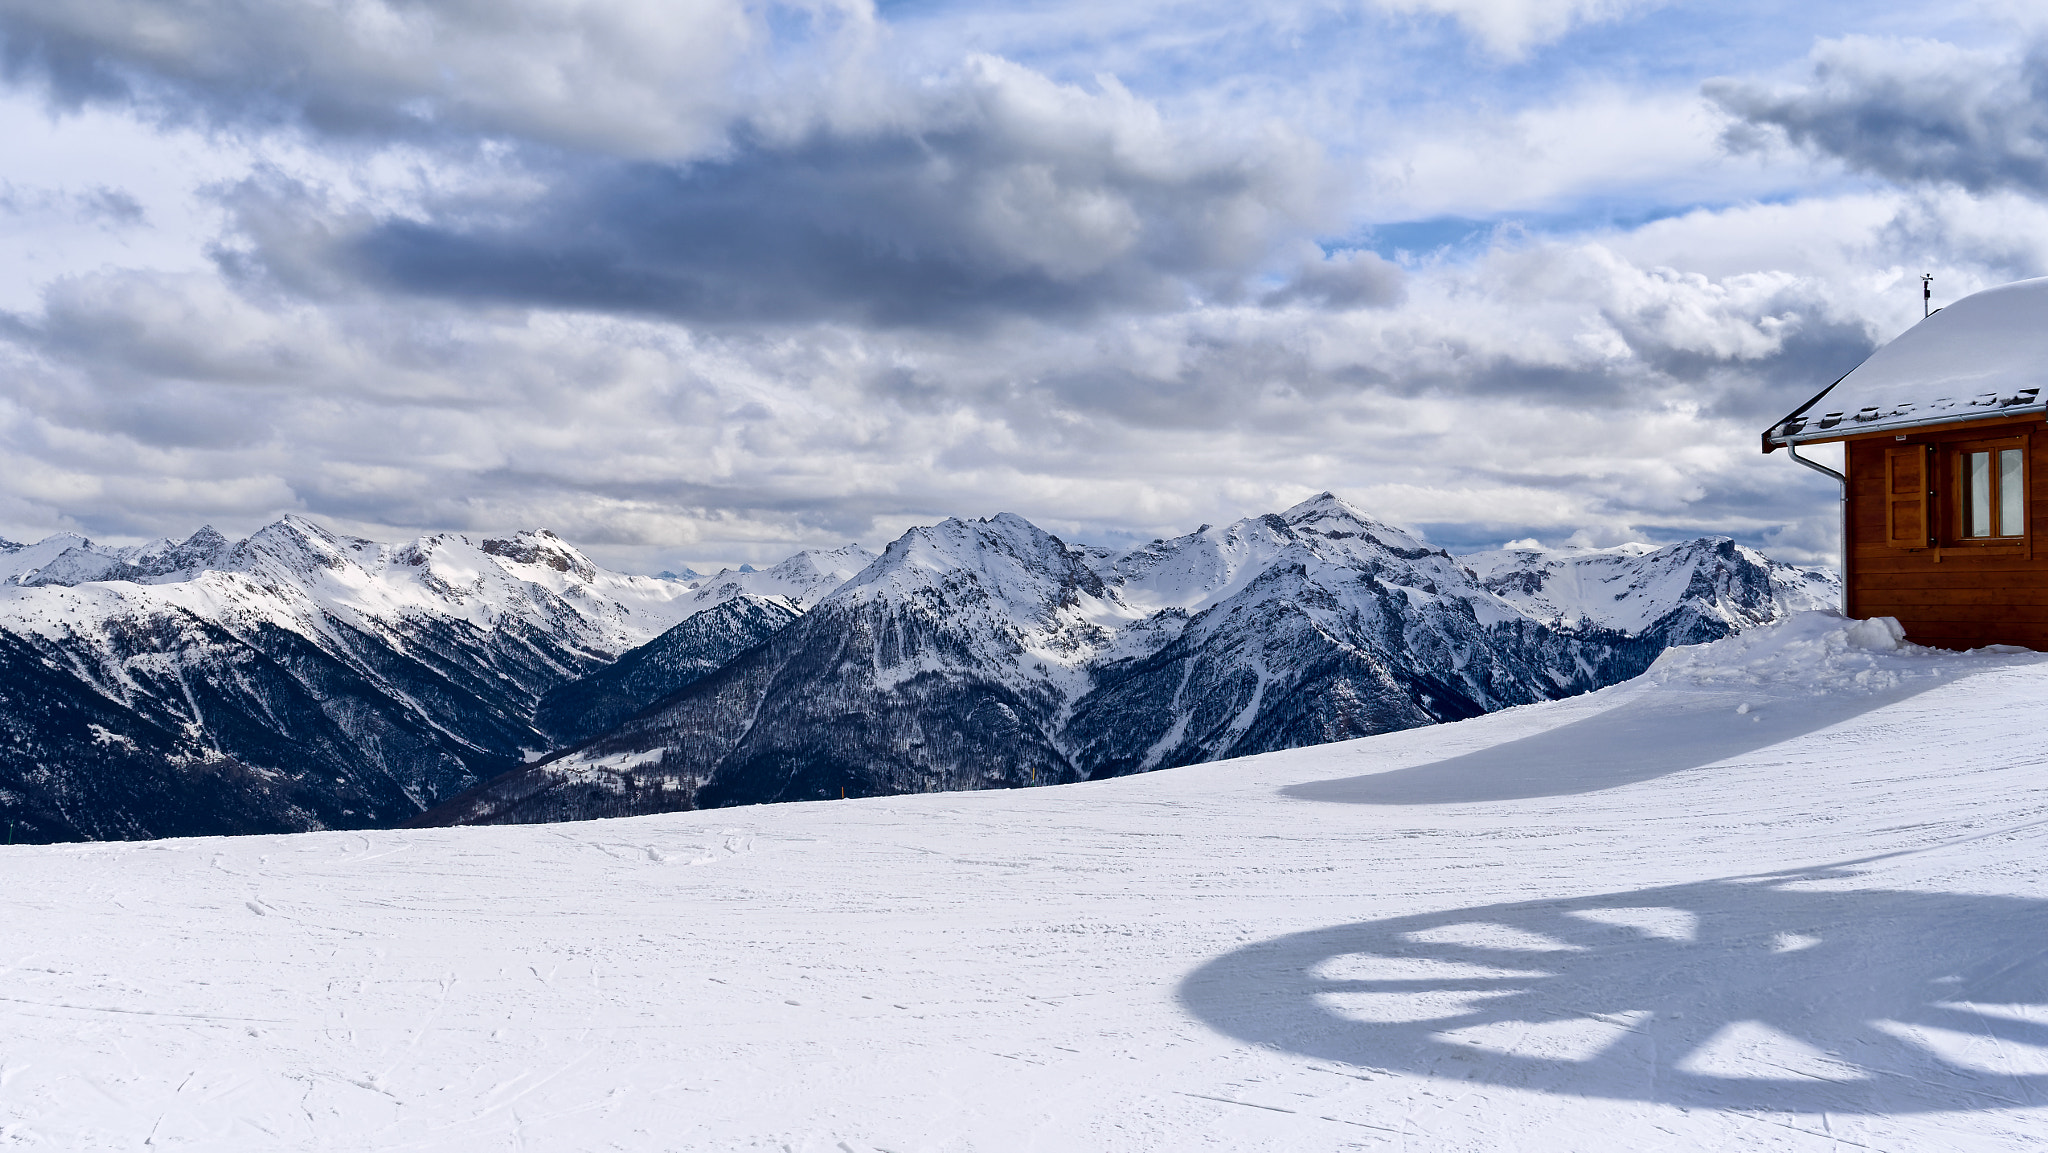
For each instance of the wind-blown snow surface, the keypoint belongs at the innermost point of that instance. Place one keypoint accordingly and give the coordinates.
(1809, 915)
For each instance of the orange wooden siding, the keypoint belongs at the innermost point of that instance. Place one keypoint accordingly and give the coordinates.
(1955, 594)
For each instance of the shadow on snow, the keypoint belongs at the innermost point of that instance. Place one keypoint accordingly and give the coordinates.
(1653, 736)
(1734, 994)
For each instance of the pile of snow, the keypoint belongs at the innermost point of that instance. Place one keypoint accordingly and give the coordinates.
(1809, 653)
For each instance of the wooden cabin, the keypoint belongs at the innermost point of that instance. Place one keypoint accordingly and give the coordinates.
(1945, 472)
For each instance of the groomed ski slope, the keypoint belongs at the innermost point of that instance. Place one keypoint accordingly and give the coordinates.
(1784, 892)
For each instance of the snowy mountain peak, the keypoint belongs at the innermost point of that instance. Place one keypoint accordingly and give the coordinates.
(208, 537)
(298, 545)
(203, 549)
(1210, 565)
(541, 547)
(1004, 556)
(1330, 515)
(800, 581)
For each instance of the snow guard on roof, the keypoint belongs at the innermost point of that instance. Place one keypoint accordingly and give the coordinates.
(1984, 356)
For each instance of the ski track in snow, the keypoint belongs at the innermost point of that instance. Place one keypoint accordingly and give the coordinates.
(1828, 940)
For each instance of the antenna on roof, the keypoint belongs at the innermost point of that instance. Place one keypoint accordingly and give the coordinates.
(1926, 295)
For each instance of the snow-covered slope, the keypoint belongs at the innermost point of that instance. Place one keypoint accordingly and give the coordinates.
(976, 654)
(1805, 913)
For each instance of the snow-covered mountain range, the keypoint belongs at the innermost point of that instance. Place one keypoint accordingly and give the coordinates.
(301, 679)
(978, 654)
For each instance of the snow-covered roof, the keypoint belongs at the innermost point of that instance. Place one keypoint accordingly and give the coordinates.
(1984, 356)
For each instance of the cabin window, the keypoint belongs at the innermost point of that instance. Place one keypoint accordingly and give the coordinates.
(1992, 486)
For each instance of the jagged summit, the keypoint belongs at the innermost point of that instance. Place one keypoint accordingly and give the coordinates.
(1210, 565)
(1329, 507)
(541, 547)
(991, 653)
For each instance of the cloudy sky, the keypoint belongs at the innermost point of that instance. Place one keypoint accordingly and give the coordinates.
(704, 281)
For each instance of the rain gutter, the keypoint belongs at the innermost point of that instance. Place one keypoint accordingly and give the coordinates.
(1842, 491)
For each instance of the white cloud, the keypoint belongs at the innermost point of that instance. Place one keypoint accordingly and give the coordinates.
(1509, 28)
(1602, 141)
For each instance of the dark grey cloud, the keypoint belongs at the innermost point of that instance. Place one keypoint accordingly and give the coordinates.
(1912, 111)
(633, 78)
(1812, 349)
(992, 194)
(1353, 278)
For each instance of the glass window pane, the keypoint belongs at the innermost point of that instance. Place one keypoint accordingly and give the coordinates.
(2012, 494)
(1977, 484)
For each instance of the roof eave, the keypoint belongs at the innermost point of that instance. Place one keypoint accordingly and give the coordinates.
(1770, 445)
(1824, 431)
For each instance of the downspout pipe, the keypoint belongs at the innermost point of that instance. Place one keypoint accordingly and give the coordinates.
(1842, 483)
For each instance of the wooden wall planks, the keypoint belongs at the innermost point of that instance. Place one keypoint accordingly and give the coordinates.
(1954, 595)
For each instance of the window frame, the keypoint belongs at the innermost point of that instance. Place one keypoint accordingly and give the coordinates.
(1955, 509)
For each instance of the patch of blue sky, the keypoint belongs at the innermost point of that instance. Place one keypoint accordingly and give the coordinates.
(1345, 63)
(1460, 238)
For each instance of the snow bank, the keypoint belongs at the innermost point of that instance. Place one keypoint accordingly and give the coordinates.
(1816, 653)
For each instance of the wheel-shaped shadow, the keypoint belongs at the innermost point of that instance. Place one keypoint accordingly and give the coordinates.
(1636, 741)
(1723, 994)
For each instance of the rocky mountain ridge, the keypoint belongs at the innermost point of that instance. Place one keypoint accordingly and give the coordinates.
(976, 654)
(301, 678)
(304, 679)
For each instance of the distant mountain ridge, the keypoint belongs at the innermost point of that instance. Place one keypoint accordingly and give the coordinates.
(296, 679)
(302, 679)
(975, 654)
